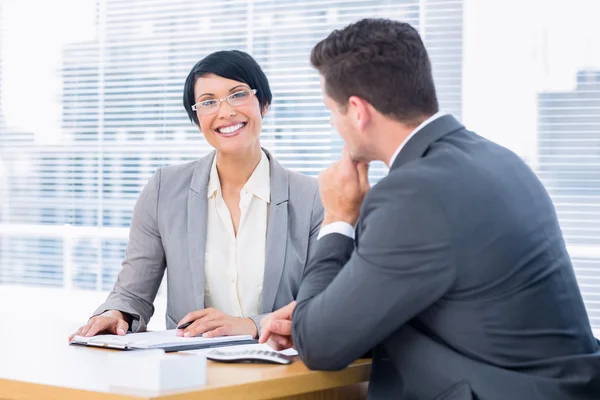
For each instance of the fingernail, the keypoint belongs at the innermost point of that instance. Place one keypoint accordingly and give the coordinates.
(187, 334)
(205, 334)
(121, 331)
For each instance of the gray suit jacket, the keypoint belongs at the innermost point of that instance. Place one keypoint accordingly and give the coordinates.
(458, 280)
(168, 232)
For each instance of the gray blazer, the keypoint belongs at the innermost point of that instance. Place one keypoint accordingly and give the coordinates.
(458, 279)
(168, 232)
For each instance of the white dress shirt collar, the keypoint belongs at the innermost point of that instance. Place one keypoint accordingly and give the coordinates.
(413, 133)
(259, 183)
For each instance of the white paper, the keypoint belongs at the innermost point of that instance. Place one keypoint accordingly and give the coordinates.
(157, 339)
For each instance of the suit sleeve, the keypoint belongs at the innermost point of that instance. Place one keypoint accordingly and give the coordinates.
(353, 297)
(315, 227)
(144, 265)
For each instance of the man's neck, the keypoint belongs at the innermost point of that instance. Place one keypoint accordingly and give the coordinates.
(397, 134)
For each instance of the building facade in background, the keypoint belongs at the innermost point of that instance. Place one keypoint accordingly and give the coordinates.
(569, 166)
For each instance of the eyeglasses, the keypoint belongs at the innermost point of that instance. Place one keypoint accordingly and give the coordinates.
(212, 105)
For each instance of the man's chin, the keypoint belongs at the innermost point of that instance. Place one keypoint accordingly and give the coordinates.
(358, 156)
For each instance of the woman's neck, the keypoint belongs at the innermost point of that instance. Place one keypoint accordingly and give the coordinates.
(235, 169)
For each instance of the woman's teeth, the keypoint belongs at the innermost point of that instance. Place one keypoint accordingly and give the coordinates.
(230, 129)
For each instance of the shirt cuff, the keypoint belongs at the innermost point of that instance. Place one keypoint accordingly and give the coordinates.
(341, 227)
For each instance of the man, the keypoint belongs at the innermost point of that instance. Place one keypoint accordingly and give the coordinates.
(457, 277)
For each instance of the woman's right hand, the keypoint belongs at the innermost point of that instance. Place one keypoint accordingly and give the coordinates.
(109, 322)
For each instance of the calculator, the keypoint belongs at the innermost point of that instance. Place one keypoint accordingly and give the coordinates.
(232, 355)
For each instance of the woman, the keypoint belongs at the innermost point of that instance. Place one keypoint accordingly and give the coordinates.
(234, 229)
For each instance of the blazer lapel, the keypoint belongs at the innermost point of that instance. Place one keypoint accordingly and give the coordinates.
(196, 225)
(421, 141)
(277, 232)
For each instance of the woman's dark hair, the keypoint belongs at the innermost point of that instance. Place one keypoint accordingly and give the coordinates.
(230, 64)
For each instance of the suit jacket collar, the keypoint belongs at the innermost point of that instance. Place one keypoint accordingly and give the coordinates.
(419, 143)
(279, 177)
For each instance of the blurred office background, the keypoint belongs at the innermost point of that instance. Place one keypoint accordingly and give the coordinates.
(90, 106)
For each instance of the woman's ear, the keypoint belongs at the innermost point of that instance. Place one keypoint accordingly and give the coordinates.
(264, 110)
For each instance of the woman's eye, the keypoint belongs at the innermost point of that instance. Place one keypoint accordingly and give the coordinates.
(208, 103)
(239, 95)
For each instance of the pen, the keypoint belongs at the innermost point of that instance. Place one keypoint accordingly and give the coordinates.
(183, 326)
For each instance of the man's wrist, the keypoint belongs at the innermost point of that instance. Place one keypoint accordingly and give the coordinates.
(330, 219)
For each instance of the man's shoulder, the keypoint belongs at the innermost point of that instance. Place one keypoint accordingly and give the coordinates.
(415, 178)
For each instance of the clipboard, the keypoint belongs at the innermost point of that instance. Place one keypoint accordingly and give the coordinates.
(166, 340)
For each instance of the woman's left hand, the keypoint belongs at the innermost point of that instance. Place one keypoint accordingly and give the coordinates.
(211, 323)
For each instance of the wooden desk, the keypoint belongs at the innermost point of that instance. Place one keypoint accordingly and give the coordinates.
(37, 363)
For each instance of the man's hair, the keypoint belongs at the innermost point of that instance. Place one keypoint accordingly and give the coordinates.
(230, 64)
(381, 61)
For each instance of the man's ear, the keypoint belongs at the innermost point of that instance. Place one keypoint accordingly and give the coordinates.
(360, 112)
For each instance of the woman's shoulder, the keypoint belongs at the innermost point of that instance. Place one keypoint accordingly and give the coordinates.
(302, 188)
(183, 172)
(296, 182)
(182, 177)
(171, 171)
(301, 180)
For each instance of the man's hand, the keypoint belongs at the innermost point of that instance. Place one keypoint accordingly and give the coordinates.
(277, 328)
(211, 323)
(110, 322)
(342, 187)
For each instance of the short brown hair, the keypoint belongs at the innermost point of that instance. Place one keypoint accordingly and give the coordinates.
(381, 61)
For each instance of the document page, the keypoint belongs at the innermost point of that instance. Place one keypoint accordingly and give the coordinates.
(157, 339)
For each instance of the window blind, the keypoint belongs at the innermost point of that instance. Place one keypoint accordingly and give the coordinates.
(66, 203)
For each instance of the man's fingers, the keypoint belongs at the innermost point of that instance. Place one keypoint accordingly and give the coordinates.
(346, 157)
(265, 332)
(278, 342)
(363, 175)
(284, 312)
(264, 336)
(264, 321)
(281, 327)
(283, 320)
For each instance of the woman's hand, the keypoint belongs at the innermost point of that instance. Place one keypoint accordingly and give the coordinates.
(211, 323)
(111, 322)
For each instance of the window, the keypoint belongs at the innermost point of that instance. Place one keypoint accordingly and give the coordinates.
(90, 106)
